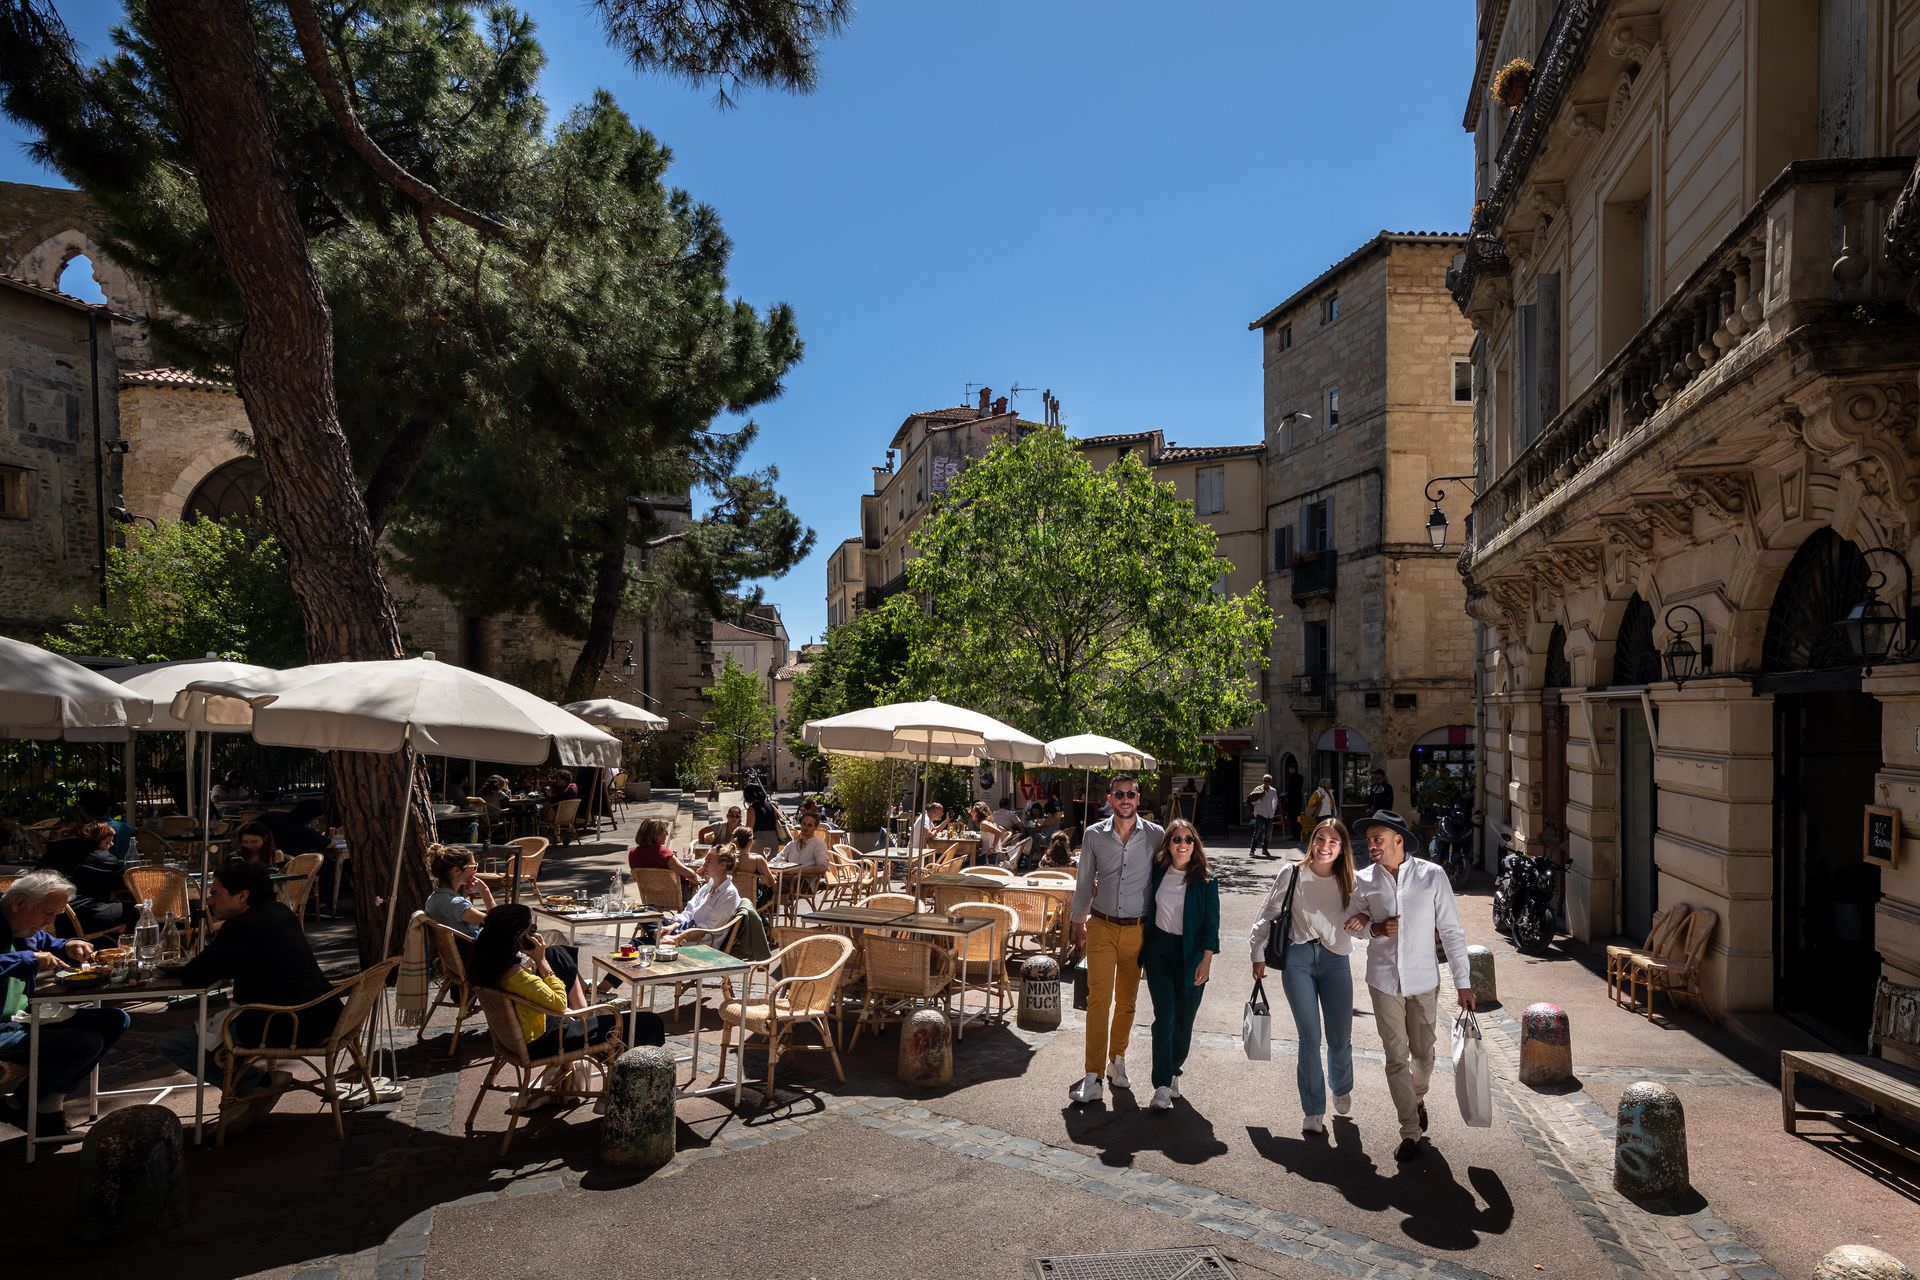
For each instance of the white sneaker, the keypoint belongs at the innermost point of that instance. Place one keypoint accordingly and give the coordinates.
(1314, 1124)
(1117, 1072)
(1342, 1103)
(1174, 1088)
(1087, 1090)
(1162, 1099)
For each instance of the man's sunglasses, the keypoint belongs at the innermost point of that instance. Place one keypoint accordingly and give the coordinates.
(1123, 795)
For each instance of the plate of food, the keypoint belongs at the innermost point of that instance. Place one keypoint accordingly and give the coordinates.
(85, 975)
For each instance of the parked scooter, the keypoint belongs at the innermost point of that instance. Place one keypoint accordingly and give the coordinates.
(1523, 897)
(1452, 844)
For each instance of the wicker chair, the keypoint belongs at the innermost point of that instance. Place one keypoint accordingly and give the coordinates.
(456, 990)
(167, 886)
(77, 929)
(945, 897)
(1660, 941)
(510, 1050)
(659, 887)
(564, 823)
(533, 851)
(901, 902)
(617, 798)
(990, 873)
(1038, 916)
(980, 958)
(152, 845)
(901, 972)
(805, 994)
(298, 892)
(361, 991)
(1054, 873)
(1679, 974)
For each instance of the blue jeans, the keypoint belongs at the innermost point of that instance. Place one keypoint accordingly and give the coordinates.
(1258, 837)
(68, 1050)
(1316, 976)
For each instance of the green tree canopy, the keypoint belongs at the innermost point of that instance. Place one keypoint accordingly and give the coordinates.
(739, 714)
(189, 588)
(863, 664)
(1064, 600)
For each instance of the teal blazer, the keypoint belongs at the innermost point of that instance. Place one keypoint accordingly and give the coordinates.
(1201, 920)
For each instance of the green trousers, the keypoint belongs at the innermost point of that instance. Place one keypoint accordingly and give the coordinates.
(1176, 1001)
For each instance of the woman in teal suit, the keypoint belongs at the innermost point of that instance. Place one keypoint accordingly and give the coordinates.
(1182, 935)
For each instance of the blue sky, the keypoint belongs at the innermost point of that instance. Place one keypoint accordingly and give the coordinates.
(1094, 197)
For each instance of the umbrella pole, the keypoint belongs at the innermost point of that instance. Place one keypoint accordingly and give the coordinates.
(126, 767)
(399, 846)
(384, 1087)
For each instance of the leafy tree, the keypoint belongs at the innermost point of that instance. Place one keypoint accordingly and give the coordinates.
(739, 714)
(189, 588)
(863, 664)
(1065, 600)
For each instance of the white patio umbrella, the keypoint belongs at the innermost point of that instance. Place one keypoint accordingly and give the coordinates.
(1090, 751)
(611, 713)
(402, 704)
(931, 732)
(43, 695)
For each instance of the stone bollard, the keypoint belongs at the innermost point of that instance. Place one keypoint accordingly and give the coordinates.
(1546, 1045)
(133, 1175)
(638, 1131)
(1080, 984)
(1040, 992)
(1650, 1144)
(1480, 976)
(1860, 1262)
(926, 1049)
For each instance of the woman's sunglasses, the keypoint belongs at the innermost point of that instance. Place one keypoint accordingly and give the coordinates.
(1181, 840)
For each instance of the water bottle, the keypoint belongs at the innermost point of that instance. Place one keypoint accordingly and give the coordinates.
(146, 938)
(617, 893)
(171, 950)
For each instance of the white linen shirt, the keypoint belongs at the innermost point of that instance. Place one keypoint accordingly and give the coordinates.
(1423, 900)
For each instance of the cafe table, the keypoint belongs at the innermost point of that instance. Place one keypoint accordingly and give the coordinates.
(961, 880)
(924, 923)
(571, 918)
(49, 995)
(694, 964)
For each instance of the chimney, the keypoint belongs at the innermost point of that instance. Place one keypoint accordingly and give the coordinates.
(999, 406)
(889, 462)
(985, 393)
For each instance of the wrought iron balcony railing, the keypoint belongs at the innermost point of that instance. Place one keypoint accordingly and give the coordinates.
(1311, 694)
(1314, 574)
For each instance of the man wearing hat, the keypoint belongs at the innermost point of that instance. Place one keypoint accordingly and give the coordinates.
(1403, 901)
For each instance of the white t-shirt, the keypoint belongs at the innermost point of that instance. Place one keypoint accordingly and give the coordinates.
(1269, 801)
(712, 906)
(1318, 914)
(808, 853)
(1170, 903)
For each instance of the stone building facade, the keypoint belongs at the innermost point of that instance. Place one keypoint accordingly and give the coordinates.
(1698, 423)
(1368, 396)
(174, 442)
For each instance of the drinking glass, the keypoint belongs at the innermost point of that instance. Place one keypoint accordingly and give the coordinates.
(125, 943)
(646, 953)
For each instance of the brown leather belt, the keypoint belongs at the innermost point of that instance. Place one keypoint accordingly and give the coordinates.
(1123, 921)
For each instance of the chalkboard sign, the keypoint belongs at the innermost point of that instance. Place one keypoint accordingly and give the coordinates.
(1882, 836)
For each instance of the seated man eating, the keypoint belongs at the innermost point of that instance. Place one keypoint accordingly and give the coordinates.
(69, 1050)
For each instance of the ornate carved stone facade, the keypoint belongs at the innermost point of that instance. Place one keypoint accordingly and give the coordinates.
(1694, 266)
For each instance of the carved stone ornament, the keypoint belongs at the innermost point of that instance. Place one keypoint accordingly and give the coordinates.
(1866, 431)
(1587, 120)
(1633, 39)
(1670, 516)
(1569, 568)
(1727, 496)
(1547, 199)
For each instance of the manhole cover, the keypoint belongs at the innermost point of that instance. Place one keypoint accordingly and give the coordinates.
(1146, 1264)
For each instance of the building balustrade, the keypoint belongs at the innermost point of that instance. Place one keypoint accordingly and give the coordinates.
(1311, 694)
(1314, 574)
(877, 596)
(1818, 225)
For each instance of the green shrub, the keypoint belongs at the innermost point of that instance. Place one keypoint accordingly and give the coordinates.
(862, 788)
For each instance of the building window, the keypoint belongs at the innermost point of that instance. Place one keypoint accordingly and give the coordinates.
(13, 493)
(1316, 646)
(1463, 382)
(1316, 527)
(1282, 547)
(1210, 491)
(229, 491)
(1330, 308)
(1332, 408)
(1284, 337)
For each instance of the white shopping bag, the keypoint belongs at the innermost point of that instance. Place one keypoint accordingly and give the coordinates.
(1256, 1027)
(1472, 1080)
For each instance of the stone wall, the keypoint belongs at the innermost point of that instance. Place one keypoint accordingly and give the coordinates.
(175, 438)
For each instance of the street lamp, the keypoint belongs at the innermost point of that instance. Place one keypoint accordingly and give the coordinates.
(1685, 662)
(1872, 626)
(1437, 521)
(123, 516)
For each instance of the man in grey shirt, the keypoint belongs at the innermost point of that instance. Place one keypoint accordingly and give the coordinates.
(1116, 863)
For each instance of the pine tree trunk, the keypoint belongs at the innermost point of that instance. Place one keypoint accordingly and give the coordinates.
(284, 372)
(609, 590)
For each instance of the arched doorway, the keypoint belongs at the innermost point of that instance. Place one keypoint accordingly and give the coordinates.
(1826, 751)
(228, 492)
(1344, 755)
(1636, 663)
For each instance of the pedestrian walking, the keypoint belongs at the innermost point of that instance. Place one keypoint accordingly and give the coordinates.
(1177, 951)
(1321, 805)
(1265, 799)
(1116, 864)
(1379, 792)
(1403, 901)
(1304, 930)
(1294, 802)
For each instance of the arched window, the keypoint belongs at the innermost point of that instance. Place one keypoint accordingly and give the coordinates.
(1635, 660)
(228, 491)
(1559, 672)
(1826, 578)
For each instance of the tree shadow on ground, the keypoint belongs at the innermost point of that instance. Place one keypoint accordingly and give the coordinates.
(1440, 1213)
(1125, 1129)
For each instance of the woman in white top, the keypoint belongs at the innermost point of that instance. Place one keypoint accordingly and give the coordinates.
(992, 834)
(713, 904)
(1303, 928)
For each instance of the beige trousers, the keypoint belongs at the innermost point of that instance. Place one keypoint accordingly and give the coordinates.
(1406, 1036)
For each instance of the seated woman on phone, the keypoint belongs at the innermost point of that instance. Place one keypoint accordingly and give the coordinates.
(511, 955)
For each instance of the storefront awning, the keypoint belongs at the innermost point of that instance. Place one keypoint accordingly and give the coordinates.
(1341, 738)
(1447, 735)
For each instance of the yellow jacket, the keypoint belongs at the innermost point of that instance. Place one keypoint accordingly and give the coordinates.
(535, 988)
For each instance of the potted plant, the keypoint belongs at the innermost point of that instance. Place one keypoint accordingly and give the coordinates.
(860, 788)
(1511, 82)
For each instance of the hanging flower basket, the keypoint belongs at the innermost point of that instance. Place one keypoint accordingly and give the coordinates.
(1511, 82)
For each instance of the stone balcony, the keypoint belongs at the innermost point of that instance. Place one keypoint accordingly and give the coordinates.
(1810, 251)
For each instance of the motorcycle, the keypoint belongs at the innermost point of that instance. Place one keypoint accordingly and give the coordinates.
(1523, 900)
(1452, 845)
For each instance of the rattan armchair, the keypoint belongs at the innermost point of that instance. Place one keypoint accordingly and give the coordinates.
(456, 990)
(511, 1049)
(1038, 918)
(296, 893)
(1660, 942)
(167, 887)
(902, 972)
(361, 992)
(659, 887)
(980, 958)
(805, 994)
(1679, 973)
(153, 846)
(564, 823)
